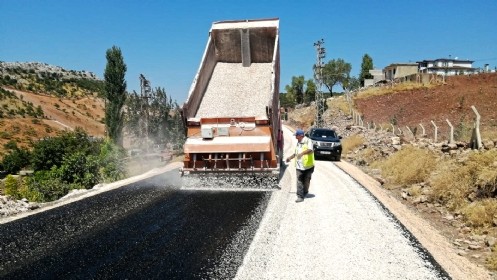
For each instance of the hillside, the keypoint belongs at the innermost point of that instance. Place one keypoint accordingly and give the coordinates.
(59, 114)
(39, 100)
(450, 101)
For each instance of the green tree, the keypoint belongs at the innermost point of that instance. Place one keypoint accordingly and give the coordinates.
(351, 84)
(286, 100)
(50, 152)
(299, 92)
(81, 169)
(296, 89)
(16, 160)
(366, 65)
(115, 94)
(163, 120)
(335, 72)
(310, 91)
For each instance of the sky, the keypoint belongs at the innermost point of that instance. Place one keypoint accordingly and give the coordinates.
(165, 40)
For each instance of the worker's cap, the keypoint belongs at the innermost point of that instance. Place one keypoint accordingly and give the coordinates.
(299, 132)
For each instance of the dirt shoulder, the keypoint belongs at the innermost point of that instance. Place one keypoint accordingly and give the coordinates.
(458, 267)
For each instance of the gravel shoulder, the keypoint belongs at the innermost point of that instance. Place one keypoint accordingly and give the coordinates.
(439, 247)
(343, 230)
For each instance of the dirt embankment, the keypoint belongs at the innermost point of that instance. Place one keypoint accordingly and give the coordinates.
(451, 101)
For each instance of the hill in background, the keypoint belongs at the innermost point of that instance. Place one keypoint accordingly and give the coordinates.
(38, 100)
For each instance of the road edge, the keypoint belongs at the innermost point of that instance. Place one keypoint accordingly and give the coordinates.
(458, 267)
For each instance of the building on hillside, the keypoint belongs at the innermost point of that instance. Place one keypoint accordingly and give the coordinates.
(401, 72)
(447, 67)
(378, 76)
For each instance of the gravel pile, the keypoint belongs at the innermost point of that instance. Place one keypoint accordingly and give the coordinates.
(10, 206)
(237, 91)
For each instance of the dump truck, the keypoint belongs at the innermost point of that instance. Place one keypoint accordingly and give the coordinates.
(231, 114)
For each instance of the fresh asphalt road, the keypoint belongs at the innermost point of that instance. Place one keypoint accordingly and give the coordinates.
(152, 229)
(145, 230)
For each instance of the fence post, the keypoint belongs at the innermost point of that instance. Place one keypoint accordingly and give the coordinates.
(436, 131)
(451, 141)
(476, 131)
(410, 131)
(422, 128)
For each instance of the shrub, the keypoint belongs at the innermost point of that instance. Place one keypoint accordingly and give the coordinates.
(352, 142)
(5, 135)
(48, 186)
(112, 166)
(39, 111)
(456, 181)
(16, 160)
(11, 145)
(51, 151)
(11, 186)
(80, 169)
(480, 213)
(408, 166)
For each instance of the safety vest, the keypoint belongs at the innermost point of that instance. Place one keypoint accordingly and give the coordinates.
(306, 160)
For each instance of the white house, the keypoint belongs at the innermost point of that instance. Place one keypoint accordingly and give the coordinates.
(447, 66)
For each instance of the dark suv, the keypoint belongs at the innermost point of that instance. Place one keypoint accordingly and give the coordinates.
(326, 143)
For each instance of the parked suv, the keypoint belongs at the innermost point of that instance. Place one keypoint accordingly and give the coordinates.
(326, 143)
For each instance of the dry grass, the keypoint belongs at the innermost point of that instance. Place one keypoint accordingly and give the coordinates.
(489, 134)
(480, 214)
(456, 182)
(371, 155)
(304, 117)
(492, 260)
(339, 103)
(376, 91)
(410, 165)
(351, 142)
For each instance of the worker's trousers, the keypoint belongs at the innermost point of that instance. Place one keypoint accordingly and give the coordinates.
(303, 181)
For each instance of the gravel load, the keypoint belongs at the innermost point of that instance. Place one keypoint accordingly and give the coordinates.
(237, 91)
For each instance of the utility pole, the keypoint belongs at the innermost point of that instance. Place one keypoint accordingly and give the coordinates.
(318, 79)
(145, 94)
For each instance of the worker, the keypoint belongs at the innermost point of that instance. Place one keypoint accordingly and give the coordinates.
(304, 163)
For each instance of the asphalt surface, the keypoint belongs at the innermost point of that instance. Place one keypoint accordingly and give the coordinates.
(157, 228)
(145, 230)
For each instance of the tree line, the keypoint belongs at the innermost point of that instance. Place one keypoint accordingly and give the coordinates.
(333, 73)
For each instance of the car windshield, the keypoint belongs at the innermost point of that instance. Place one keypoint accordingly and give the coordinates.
(324, 133)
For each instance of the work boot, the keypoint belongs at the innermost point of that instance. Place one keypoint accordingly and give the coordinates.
(299, 199)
